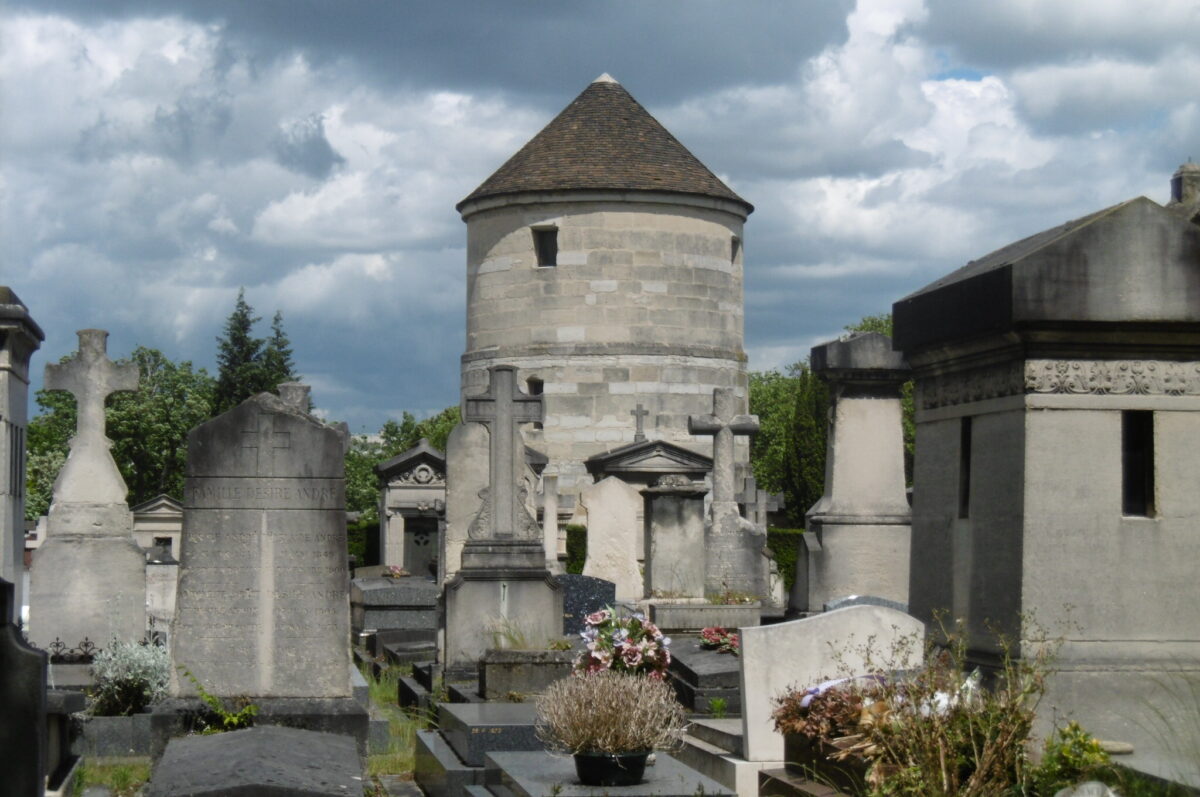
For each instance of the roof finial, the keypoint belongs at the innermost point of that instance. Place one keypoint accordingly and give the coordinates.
(605, 78)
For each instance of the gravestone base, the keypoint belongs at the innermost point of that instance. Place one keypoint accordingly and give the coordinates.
(735, 561)
(865, 558)
(533, 774)
(700, 675)
(342, 716)
(91, 586)
(503, 586)
(509, 673)
(692, 617)
(393, 604)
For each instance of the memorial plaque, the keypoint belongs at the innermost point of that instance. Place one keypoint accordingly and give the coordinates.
(263, 604)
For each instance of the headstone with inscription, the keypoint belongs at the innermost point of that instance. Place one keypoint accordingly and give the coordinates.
(88, 579)
(263, 601)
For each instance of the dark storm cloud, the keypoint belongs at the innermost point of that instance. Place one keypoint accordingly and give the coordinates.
(523, 47)
(302, 146)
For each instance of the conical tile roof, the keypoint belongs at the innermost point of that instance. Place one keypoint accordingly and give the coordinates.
(604, 140)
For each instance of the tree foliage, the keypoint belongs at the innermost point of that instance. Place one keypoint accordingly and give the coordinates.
(247, 365)
(148, 428)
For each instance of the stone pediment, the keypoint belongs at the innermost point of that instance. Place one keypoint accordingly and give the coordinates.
(420, 466)
(159, 505)
(648, 460)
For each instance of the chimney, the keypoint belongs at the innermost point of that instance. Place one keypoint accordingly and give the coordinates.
(1185, 191)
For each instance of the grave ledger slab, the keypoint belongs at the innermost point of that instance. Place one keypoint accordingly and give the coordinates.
(263, 606)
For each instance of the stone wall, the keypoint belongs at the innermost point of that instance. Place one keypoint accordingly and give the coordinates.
(644, 306)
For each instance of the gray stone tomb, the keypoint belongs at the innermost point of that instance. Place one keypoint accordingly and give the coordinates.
(88, 578)
(262, 605)
(674, 538)
(413, 496)
(503, 579)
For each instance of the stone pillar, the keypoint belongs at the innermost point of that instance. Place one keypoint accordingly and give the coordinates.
(392, 550)
(88, 579)
(734, 546)
(20, 337)
(674, 535)
(862, 522)
(550, 522)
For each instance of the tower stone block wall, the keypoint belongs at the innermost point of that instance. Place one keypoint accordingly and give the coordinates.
(644, 306)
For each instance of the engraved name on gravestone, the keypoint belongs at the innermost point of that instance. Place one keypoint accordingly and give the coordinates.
(263, 606)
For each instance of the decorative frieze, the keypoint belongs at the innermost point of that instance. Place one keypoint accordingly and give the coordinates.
(1069, 377)
(1113, 377)
(421, 476)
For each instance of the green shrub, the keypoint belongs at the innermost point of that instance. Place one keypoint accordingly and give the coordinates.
(128, 677)
(576, 547)
(782, 543)
(1071, 756)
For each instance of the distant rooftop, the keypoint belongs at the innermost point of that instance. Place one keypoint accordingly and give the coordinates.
(604, 140)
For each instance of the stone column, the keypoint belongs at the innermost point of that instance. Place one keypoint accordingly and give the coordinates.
(862, 521)
(88, 578)
(734, 546)
(20, 337)
(550, 522)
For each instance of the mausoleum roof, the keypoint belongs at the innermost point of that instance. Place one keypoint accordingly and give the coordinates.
(604, 140)
(1133, 263)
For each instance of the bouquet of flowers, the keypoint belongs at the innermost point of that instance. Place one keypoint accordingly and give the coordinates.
(721, 639)
(626, 644)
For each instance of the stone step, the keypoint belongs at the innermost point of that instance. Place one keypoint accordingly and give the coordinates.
(781, 783)
(464, 692)
(438, 770)
(699, 699)
(423, 674)
(724, 733)
(475, 729)
(714, 762)
(409, 652)
(411, 694)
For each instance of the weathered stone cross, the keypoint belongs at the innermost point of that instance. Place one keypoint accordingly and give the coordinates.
(91, 475)
(639, 434)
(503, 408)
(265, 440)
(758, 502)
(723, 424)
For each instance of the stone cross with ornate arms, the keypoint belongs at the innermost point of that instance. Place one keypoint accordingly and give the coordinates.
(90, 474)
(503, 408)
(723, 424)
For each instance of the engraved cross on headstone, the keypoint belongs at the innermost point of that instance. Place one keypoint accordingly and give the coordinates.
(503, 408)
(639, 433)
(265, 441)
(723, 424)
(90, 475)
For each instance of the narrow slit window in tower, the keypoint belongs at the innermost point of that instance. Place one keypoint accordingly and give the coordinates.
(1137, 463)
(735, 247)
(545, 243)
(534, 387)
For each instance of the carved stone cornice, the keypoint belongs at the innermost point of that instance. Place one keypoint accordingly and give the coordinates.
(1066, 377)
(421, 476)
(1113, 377)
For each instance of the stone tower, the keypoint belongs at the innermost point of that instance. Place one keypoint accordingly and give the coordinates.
(604, 261)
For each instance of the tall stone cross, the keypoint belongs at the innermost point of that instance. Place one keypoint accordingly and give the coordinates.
(723, 424)
(503, 408)
(90, 474)
(639, 414)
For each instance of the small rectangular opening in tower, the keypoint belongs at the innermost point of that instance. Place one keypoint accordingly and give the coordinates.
(1137, 463)
(545, 243)
(735, 247)
(964, 467)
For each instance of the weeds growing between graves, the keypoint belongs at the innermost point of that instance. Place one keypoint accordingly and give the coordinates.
(123, 777)
(220, 718)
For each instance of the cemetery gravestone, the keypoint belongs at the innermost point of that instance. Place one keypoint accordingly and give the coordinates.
(613, 535)
(802, 653)
(263, 606)
(88, 579)
(734, 546)
(674, 534)
(503, 582)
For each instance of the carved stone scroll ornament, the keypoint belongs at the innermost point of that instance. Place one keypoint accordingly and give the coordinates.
(420, 476)
(1113, 377)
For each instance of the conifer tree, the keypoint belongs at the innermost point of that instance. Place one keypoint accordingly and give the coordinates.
(277, 363)
(239, 358)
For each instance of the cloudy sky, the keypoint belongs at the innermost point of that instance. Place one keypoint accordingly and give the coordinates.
(156, 156)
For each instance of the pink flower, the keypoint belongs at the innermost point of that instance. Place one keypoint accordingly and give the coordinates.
(596, 618)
